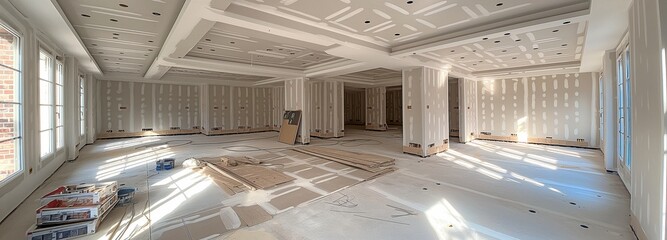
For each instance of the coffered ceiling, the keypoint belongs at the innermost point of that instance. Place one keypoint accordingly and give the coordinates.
(122, 36)
(368, 40)
(230, 43)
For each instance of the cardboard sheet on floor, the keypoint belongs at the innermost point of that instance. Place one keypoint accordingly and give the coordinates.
(290, 127)
(229, 185)
(313, 172)
(296, 168)
(252, 215)
(293, 198)
(336, 166)
(209, 223)
(336, 183)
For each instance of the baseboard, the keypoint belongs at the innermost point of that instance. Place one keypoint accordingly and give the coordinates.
(637, 228)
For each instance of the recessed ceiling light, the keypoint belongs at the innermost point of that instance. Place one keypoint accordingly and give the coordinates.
(150, 50)
(150, 41)
(535, 48)
(485, 38)
(232, 42)
(199, 48)
(269, 50)
(367, 21)
(409, 2)
(474, 50)
(113, 20)
(507, 34)
(115, 37)
(122, 5)
(397, 34)
(94, 44)
(452, 51)
(555, 30)
(518, 40)
(496, 41)
(85, 15)
(156, 13)
(566, 22)
(116, 34)
(514, 58)
(122, 53)
(564, 45)
(463, 57)
(291, 53)
(212, 50)
(504, 51)
(208, 39)
(559, 53)
(106, 59)
(145, 55)
(474, 64)
(499, 4)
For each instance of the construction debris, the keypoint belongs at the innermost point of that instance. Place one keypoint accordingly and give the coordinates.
(246, 171)
(369, 162)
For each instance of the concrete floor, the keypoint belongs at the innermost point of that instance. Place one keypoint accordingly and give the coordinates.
(479, 190)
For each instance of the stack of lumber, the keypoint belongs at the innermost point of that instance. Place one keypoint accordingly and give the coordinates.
(73, 211)
(369, 162)
(247, 171)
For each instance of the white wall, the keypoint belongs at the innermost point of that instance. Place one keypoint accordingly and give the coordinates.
(559, 106)
(394, 106)
(297, 97)
(326, 108)
(35, 171)
(648, 116)
(468, 109)
(355, 107)
(376, 108)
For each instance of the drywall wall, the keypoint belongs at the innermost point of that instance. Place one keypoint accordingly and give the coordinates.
(297, 97)
(355, 106)
(376, 108)
(560, 106)
(425, 114)
(326, 108)
(234, 109)
(278, 106)
(453, 106)
(134, 107)
(263, 117)
(394, 106)
(468, 110)
(648, 110)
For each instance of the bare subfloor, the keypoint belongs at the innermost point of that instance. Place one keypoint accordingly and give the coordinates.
(479, 190)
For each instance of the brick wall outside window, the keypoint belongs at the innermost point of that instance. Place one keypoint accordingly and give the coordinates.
(8, 112)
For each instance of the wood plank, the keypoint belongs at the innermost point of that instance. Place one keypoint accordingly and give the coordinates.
(292, 199)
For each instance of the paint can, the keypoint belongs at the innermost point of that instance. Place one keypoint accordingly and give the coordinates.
(125, 195)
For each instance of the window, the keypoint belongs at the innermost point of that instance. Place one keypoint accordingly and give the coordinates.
(60, 100)
(624, 99)
(46, 102)
(11, 161)
(82, 105)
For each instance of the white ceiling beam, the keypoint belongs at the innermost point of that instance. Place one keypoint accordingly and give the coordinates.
(230, 67)
(524, 24)
(564, 67)
(607, 24)
(184, 35)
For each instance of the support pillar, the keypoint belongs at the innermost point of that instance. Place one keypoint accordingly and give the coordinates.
(376, 108)
(326, 109)
(425, 111)
(296, 98)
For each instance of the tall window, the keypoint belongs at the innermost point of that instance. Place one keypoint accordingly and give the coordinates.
(82, 105)
(46, 103)
(11, 161)
(624, 99)
(60, 100)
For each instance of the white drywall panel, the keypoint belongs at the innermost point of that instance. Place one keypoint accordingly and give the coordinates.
(468, 110)
(143, 106)
(558, 106)
(376, 107)
(263, 114)
(394, 106)
(326, 106)
(115, 98)
(413, 125)
(355, 107)
(436, 110)
(648, 110)
(609, 105)
(278, 106)
(242, 107)
(220, 116)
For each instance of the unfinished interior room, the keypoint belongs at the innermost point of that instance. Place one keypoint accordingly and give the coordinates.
(333, 119)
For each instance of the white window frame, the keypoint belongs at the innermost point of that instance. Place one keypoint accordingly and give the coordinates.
(59, 110)
(18, 160)
(624, 99)
(82, 105)
(47, 151)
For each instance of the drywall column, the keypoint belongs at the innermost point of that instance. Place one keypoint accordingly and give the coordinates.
(296, 98)
(454, 106)
(326, 100)
(467, 110)
(608, 145)
(91, 109)
(376, 108)
(72, 108)
(205, 109)
(648, 93)
(425, 111)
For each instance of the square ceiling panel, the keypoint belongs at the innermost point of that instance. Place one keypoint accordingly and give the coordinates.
(375, 74)
(122, 36)
(396, 22)
(230, 43)
(546, 46)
